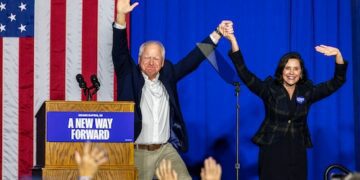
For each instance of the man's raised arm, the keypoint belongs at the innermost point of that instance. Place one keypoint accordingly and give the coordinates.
(122, 8)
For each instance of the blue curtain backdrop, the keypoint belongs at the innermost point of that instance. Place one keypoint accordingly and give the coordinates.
(265, 31)
(356, 68)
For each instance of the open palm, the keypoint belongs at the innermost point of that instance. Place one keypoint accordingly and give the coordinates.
(124, 7)
(327, 50)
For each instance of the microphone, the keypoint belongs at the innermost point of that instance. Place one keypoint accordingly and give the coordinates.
(95, 82)
(88, 91)
(80, 80)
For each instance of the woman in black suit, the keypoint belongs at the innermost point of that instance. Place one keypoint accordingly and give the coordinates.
(284, 135)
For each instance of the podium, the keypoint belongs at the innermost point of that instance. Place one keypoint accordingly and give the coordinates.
(56, 160)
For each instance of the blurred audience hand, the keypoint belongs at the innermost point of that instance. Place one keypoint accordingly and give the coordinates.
(211, 170)
(89, 162)
(165, 172)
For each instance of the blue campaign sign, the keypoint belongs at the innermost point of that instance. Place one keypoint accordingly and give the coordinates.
(90, 126)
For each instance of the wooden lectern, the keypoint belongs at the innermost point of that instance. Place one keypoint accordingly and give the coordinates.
(55, 160)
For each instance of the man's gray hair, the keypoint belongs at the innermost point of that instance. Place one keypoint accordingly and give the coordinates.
(141, 49)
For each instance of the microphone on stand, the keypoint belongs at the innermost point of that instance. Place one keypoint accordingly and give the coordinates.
(87, 90)
(95, 82)
(80, 80)
(82, 85)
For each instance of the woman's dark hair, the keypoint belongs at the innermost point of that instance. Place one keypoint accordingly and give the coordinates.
(282, 63)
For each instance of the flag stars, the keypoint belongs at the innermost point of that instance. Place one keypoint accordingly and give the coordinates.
(22, 6)
(12, 17)
(2, 27)
(22, 28)
(2, 6)
(17, 18)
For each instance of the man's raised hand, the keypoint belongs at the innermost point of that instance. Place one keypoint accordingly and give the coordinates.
(124, 7)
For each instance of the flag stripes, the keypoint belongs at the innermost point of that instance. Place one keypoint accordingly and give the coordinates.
(70, 37)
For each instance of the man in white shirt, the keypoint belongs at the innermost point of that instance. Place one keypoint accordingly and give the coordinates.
(159, 125)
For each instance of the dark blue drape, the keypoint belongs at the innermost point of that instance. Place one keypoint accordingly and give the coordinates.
(356, 68)
(265, 31)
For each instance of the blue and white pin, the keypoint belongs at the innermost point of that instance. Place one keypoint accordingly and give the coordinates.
(300, 99)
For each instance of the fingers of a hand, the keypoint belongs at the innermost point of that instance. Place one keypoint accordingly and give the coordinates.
(226, 22)
(327, 51)
(163, 167)
(134, 5)
(331, 52)
(330, 48)
(212, 168)
(94, 152)
(334, 51)
(103, 160)
(212, 163)
(99, 153)
(168, 169)
(202, 174)
(86, 148)
(326, 48)
(229, 29)
(158, 174)
(319, 48)
(222, 30)
(77, 157)
(322, 50)
(207, 164)
(218, 169)
(174, 174)
(168, 165)
(102, 157)
(229, 24)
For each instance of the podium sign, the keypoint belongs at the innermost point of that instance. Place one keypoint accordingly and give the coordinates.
(90, 126)
(63, 127)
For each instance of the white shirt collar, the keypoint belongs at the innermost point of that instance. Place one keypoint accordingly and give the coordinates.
(147, 78)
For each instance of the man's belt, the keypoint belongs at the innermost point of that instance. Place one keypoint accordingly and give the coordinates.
(149, 147)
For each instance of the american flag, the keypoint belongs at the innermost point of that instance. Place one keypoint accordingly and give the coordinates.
(44, 45)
